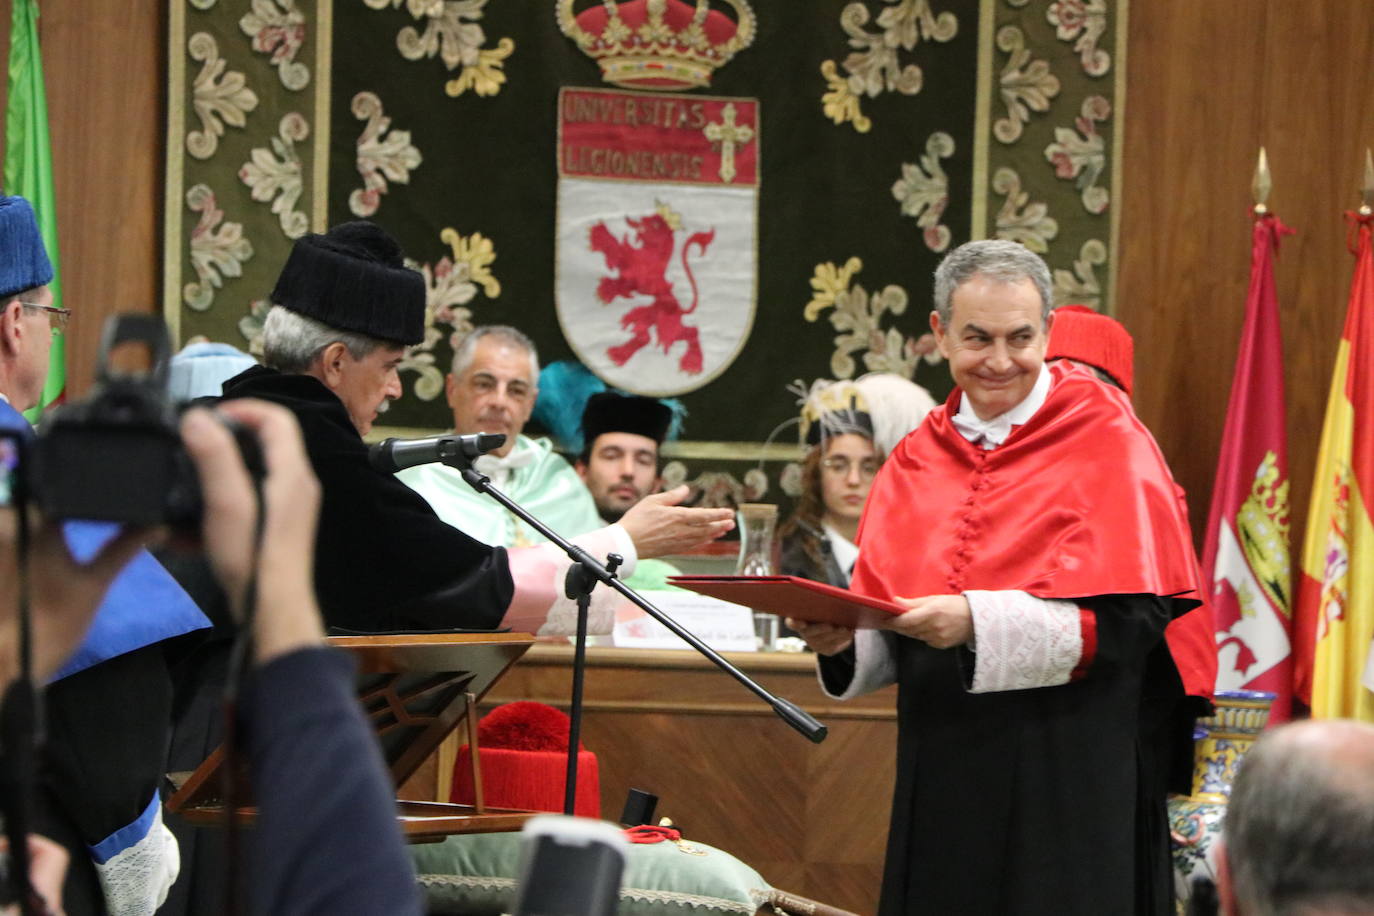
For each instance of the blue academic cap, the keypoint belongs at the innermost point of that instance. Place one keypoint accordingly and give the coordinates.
(24, 261)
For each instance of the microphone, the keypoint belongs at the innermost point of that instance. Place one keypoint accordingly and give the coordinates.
(394, 455)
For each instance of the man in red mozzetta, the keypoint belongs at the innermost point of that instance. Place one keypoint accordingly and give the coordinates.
(1031, 528)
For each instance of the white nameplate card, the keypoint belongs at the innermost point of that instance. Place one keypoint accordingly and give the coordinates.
(723, 626)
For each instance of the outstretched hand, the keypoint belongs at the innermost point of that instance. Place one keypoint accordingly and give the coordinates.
(939, 621)
(658, 525)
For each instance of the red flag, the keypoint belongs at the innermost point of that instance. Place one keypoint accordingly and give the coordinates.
(1245, 551)
(1335, 600)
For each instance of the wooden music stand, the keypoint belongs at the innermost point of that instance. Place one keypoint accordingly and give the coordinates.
(415, 688)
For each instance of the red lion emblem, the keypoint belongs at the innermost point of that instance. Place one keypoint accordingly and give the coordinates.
(640, 267)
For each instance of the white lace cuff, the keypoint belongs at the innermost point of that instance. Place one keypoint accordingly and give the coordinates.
(137, 864)
(1023, 641)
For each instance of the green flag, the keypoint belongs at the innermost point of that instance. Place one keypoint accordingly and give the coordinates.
(28, 162)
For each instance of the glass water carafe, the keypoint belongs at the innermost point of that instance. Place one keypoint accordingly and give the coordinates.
(756, 524)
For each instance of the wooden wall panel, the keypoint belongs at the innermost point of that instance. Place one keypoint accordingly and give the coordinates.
(105, 74)
(1208, 84)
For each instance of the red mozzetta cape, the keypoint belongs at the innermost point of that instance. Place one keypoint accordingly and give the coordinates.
(1077, 502)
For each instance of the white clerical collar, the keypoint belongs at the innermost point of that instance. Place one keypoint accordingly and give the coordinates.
(3, 398)
(991, 433)
(500, 467)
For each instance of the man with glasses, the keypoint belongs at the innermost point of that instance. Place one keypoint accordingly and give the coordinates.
(28, 323)
(108, 707)
(57, 317)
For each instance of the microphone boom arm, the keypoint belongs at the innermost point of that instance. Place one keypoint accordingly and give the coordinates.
(790, 712)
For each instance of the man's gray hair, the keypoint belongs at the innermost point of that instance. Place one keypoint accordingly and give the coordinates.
(291, 342)
(19, 294)
(1003, 261)
(1299, 827)
(467, 347)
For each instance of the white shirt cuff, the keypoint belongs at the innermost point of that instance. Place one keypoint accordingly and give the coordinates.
(625, 546)
(1023, 641)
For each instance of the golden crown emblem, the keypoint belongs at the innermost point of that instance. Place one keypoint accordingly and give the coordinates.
(659, 44)
(1263, 528)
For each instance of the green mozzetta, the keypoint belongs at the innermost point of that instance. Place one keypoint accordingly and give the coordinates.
(545, 484)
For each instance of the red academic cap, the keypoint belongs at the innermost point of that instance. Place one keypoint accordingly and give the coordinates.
(1081, 334)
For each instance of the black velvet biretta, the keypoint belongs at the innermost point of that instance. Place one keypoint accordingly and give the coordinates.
(354, 278)
(609, 412)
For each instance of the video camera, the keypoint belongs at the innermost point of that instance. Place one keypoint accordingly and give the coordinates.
(117, 455)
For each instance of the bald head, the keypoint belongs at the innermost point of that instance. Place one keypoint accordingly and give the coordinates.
(1299, 828)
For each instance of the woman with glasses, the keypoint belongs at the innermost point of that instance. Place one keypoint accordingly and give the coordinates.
(849, 426)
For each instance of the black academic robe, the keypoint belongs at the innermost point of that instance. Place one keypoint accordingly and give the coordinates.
(795, 561)
(1028, 802)
(383, 560)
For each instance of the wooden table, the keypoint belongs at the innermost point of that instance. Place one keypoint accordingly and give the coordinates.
(810, 818)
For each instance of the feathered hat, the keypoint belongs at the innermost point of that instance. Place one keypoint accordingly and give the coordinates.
(881, 406)
(834, 409)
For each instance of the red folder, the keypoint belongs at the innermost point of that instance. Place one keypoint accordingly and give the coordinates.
(792, 596)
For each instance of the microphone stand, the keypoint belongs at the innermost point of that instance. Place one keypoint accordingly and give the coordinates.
(582, 577)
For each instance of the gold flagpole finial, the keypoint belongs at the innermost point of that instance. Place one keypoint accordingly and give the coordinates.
(1367, 192)
(1261, 185)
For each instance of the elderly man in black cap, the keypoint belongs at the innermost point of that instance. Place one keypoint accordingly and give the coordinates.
(343, 312)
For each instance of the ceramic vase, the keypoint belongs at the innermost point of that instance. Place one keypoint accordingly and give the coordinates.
(1219, 746)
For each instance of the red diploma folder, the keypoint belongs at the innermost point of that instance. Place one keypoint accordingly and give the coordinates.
(791, 596)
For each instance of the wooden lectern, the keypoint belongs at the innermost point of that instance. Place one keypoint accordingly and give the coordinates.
(415, 688)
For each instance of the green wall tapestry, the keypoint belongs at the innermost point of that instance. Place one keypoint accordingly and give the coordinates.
(711, 200)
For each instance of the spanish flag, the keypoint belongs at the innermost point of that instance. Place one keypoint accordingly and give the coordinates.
(1335, 599)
